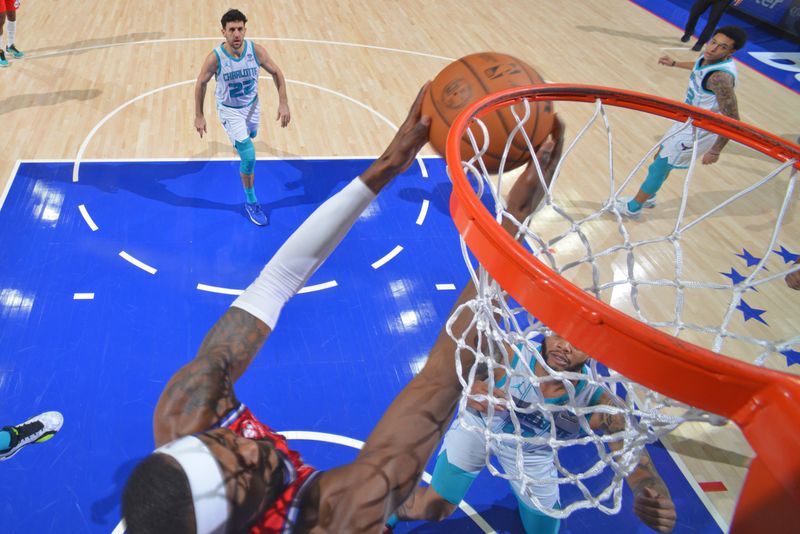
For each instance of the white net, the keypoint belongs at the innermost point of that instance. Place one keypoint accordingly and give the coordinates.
(567, 437)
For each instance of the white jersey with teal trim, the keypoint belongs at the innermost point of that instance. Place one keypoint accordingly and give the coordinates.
(696, 94)
(678, 146)
(525, 393)
(237, 78)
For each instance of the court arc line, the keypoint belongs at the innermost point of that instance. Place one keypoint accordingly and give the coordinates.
(423, 211)
(138, 263)
(336, 439)
(219, 290)
(216, 39)
(236, 292)
(90, 136)
(87, 218)
(388, 257)
(302, 435)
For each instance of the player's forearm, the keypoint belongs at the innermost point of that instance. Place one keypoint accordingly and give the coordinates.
(645, 475)
(199, 97)
(280, 85)
(688, 65)
(728, 106)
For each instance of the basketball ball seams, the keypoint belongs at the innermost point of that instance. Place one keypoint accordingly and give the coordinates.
(470, 78)
(435, 104)
(487, 90)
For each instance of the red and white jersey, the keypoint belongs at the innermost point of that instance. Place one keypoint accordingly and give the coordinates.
(282, 516)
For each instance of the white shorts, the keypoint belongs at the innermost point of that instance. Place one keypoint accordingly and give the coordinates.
(466, 449)
(240, 123)
(678, 148)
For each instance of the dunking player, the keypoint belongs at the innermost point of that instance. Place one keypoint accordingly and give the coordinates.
(711, 86)
(235, 65)
(218, 469)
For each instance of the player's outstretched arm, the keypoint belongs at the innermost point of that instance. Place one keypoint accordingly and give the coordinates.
(652, 502)
(360, 496)
(201, 392)
(721, 83)
(206, 73)
(284, 115)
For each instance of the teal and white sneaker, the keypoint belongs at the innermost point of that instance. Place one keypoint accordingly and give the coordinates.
(256, 214)
(3, 60)
(14, 51)
(37, 429)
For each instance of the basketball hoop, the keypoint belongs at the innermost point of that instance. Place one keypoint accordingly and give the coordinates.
(764, 403)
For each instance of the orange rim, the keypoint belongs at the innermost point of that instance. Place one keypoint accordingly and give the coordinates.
(759, 400)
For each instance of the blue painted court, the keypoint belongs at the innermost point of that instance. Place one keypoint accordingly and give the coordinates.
(96, 335)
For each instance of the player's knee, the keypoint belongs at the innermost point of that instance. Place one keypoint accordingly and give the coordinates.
(247, 154)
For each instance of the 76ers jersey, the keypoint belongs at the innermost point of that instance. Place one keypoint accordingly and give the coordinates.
(696, 94)
(281, 517)
(237, 78)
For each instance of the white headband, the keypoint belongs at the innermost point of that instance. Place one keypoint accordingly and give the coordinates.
(205, 480)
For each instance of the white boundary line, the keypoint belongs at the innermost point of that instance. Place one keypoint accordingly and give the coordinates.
(712, 510)
(318, 287)
(8, 183)
(386, 259)
(220, 290)
(83, 296)
(445, 287)
(140, 264)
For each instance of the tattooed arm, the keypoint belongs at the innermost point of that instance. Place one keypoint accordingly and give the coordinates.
(721, 83)
(201, 392)
(651, 499)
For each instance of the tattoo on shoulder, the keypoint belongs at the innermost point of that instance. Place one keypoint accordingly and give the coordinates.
(206, 383)
(721, 83)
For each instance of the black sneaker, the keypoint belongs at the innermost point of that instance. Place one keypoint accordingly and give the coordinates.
(698, 46)
(686, 37)
(37, 429)
(3, 60)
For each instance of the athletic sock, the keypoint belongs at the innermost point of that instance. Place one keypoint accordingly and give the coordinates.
(12, 31)
(250, 193)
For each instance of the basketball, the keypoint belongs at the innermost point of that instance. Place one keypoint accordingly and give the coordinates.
(466, 80)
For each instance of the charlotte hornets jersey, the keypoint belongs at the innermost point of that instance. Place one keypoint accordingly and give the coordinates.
(525, 394)
(237, 78)
(696, 94)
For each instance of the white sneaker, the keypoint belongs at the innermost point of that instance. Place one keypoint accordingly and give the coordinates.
(37, 429)
(621, 205)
